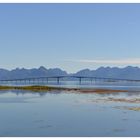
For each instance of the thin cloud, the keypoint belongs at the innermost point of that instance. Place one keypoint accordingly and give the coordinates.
(103, 61)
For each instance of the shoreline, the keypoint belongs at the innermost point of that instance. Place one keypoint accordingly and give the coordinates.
(37, 88)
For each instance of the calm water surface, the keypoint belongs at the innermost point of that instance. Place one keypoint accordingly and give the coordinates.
(69, 113)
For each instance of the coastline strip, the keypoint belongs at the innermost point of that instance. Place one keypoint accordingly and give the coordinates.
(37, 88)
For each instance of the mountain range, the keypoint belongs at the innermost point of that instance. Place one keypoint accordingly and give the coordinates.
(128, 72)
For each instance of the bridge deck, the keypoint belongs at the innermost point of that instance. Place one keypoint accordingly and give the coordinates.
(68, 77)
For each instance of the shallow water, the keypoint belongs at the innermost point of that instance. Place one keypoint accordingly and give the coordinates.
(69, 114)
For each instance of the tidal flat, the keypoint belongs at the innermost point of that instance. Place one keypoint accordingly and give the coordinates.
(53, 112)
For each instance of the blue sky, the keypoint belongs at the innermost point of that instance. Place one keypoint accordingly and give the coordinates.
(69, 36)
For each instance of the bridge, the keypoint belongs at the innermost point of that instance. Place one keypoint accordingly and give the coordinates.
(34, 80)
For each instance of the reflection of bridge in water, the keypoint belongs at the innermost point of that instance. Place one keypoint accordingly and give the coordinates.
(36, 80)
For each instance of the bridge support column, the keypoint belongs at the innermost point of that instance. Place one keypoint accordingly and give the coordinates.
(37, 81)
(58, 80)
(91, 80)
(80, 80)
(25, 82)
(95, 80)
(47, 80)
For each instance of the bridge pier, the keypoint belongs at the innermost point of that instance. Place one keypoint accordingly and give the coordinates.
(91, 80)
(25, 81)
(38, 81)
(58, 80)
(95, 80)
(80, 80)
(47, 80)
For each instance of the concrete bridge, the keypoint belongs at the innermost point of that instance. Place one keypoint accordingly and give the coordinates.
(59, 78)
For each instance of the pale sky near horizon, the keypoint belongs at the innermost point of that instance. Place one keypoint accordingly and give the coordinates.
(69, 36)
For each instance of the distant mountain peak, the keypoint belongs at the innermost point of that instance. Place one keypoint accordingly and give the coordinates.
(85, 70)
(42, 68)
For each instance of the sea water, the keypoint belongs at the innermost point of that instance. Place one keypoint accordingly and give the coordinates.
(63, 113)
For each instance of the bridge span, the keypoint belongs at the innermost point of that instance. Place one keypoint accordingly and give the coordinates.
(59, 78)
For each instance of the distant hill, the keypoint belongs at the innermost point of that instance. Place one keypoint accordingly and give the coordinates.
(128, 72)
(27, 73)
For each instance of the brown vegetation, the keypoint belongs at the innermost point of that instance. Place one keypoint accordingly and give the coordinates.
(47, 88)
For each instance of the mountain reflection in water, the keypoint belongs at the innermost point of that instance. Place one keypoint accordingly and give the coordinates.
(64, 113)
